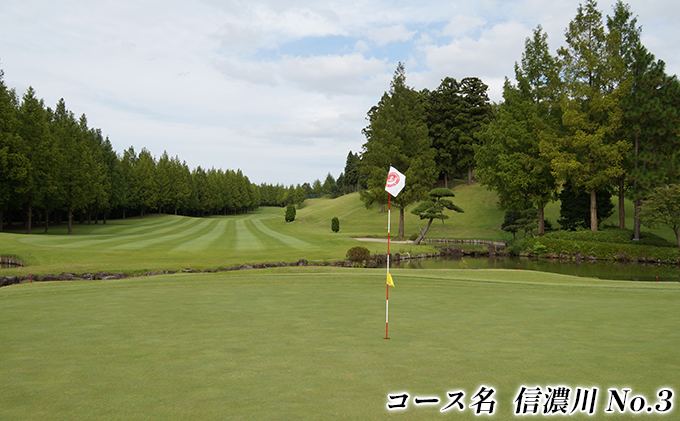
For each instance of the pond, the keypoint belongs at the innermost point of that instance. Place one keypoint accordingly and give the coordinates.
(9, 262)
(8, 265)
(600, 269)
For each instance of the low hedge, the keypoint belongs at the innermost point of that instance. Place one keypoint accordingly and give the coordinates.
(601, 250)
(612, 235)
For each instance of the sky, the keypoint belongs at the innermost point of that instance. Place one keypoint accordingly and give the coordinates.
(277, 88)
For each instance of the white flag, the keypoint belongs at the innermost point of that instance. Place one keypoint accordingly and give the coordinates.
(395, 182)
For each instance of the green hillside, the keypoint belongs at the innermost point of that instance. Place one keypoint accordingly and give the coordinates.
(169, 242)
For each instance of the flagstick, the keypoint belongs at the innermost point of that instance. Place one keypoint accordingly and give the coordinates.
(387, 294)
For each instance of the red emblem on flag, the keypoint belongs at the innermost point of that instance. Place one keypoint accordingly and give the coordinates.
(392, 179)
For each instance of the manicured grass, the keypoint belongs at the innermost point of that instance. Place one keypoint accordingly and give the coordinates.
(168, 242)
(307, 343)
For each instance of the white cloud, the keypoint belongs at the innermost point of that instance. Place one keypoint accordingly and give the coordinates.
(215, 82)
(461, 25)
(491, 56)
(385, 35)
(256, 73)
(361, 47)
(346, 74)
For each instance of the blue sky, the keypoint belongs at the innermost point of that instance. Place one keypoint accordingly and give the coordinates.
(279, 89)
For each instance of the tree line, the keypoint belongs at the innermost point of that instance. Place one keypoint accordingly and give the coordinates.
(53, 165)
(598, 118)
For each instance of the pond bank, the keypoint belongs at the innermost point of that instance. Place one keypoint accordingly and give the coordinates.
(10, 262)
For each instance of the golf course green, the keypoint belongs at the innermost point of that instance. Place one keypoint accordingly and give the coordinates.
(308, 343)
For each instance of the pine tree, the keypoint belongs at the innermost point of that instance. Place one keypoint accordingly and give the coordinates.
(74, 161)
(39, 186)
(433, 208)
(13, 163)
(652, 118)
(145, 171)
(397, 135)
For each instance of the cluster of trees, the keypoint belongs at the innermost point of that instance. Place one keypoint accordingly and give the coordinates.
(53, 164)
(599, 117)
(424, 134)
(280, 195)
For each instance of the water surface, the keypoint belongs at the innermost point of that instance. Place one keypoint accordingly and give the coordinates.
(599, 269)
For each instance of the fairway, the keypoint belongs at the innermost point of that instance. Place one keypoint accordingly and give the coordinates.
(308, 343)
(174, 243)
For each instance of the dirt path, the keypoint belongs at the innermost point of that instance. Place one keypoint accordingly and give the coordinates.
(382, 240)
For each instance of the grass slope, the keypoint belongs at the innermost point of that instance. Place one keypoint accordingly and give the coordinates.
(171, 242)
(307, 343)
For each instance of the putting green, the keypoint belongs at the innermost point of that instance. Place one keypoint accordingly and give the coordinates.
(308, 343)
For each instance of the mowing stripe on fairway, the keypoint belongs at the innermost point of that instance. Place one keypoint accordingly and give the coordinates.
(95, 240)
(245, 239)
(122, 240)
(285, 239)
(134, 225)
(217, 231)
(180, 231)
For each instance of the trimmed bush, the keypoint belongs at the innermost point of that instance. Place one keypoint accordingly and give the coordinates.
(539, 248)
(335, 224)
(290, 213)
(358, 254)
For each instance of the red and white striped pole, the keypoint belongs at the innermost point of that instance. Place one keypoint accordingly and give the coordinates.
(387, 294)
(395, 183)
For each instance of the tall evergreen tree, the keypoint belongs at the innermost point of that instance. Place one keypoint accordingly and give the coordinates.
(13, 164)
(397, 135)
(351, 181)
(39, 186)
(509, 158)
(98, 181)
(455, 113)
(477, 113)
(130, 185)
(590, 155)
(73, 165)
(652, 117)
(114, 169)
(444, 105)
(146, 176)
(164, 181)
(623, 38)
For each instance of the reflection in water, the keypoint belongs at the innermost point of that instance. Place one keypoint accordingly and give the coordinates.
(8, 265)
(600, 269)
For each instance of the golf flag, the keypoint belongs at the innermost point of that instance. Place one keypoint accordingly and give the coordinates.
(390, 282)
(395, 182)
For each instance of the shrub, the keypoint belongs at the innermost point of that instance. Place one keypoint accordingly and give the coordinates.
(575, 207)
(515, 249)
(539, 248)
(413, 237)
(358, 254)
(335, 224)
(290, 213)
